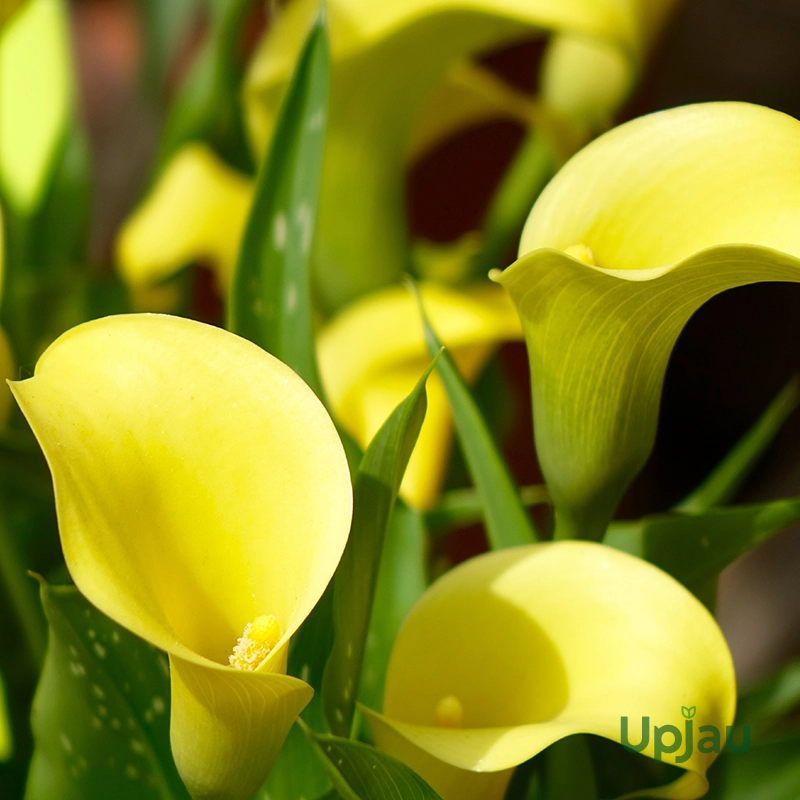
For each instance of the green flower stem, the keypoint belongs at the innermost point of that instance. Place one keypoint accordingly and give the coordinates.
(461, 507)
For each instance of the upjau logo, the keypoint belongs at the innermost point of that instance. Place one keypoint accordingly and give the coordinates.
(669, 739)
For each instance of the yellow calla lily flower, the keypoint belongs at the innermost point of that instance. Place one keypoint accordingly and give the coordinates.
(197, 209)
(632, 236)
(516, 649)
(387, 58)
(203, 497)
(372, 354)
(35, 97)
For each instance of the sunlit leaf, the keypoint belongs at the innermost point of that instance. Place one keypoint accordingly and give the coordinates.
(507, 522)
(375, 487)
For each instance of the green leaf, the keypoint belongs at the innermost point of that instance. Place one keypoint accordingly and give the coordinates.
(770, 771)
(697, 547)
(770, 701)
(732, 471)
(297, 772)
(507, 522)
(375, 488)
(360, 772)
(101, 712)
(270, 299)
(402, 579)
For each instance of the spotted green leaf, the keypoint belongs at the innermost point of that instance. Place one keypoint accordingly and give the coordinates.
(101, 712)
(270, 301)
(360, 772)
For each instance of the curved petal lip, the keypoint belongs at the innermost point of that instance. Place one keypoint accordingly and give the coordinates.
(190, 595)
(729, 251)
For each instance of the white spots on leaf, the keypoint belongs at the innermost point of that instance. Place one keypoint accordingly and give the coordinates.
(98, 692)
(305, 672)
(115, 637)
(164, 664)
(91, 633)
(159, 706)
(316, 119)
(291, 297)
(100, 650)
(116, 724)
(77, 669)
(279, 231)
(148, 715)
(96, 723)
(131, 772)
(137, 746)
(303, 218)
(102, 711)
(339, 715)
(73, 651)
(66, 742)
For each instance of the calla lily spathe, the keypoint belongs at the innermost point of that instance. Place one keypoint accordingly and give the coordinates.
(200, 487)
(394, 96)
(632, 236)
(372, 354)
(516, 649)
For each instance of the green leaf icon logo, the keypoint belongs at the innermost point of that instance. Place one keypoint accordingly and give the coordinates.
(688, 712)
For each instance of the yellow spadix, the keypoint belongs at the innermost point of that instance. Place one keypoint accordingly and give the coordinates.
(203, 497)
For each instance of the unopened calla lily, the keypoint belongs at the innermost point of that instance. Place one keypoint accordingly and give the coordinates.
(634, 234)
(516, 649)
(204, 501)
(372, 353)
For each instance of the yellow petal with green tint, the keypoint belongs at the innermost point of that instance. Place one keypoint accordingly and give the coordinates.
(35, 96)
(196, 210)
(635, 233)
(387, 58)
(199, 485)
(372, 354)
(544, 641)
(227, 727)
